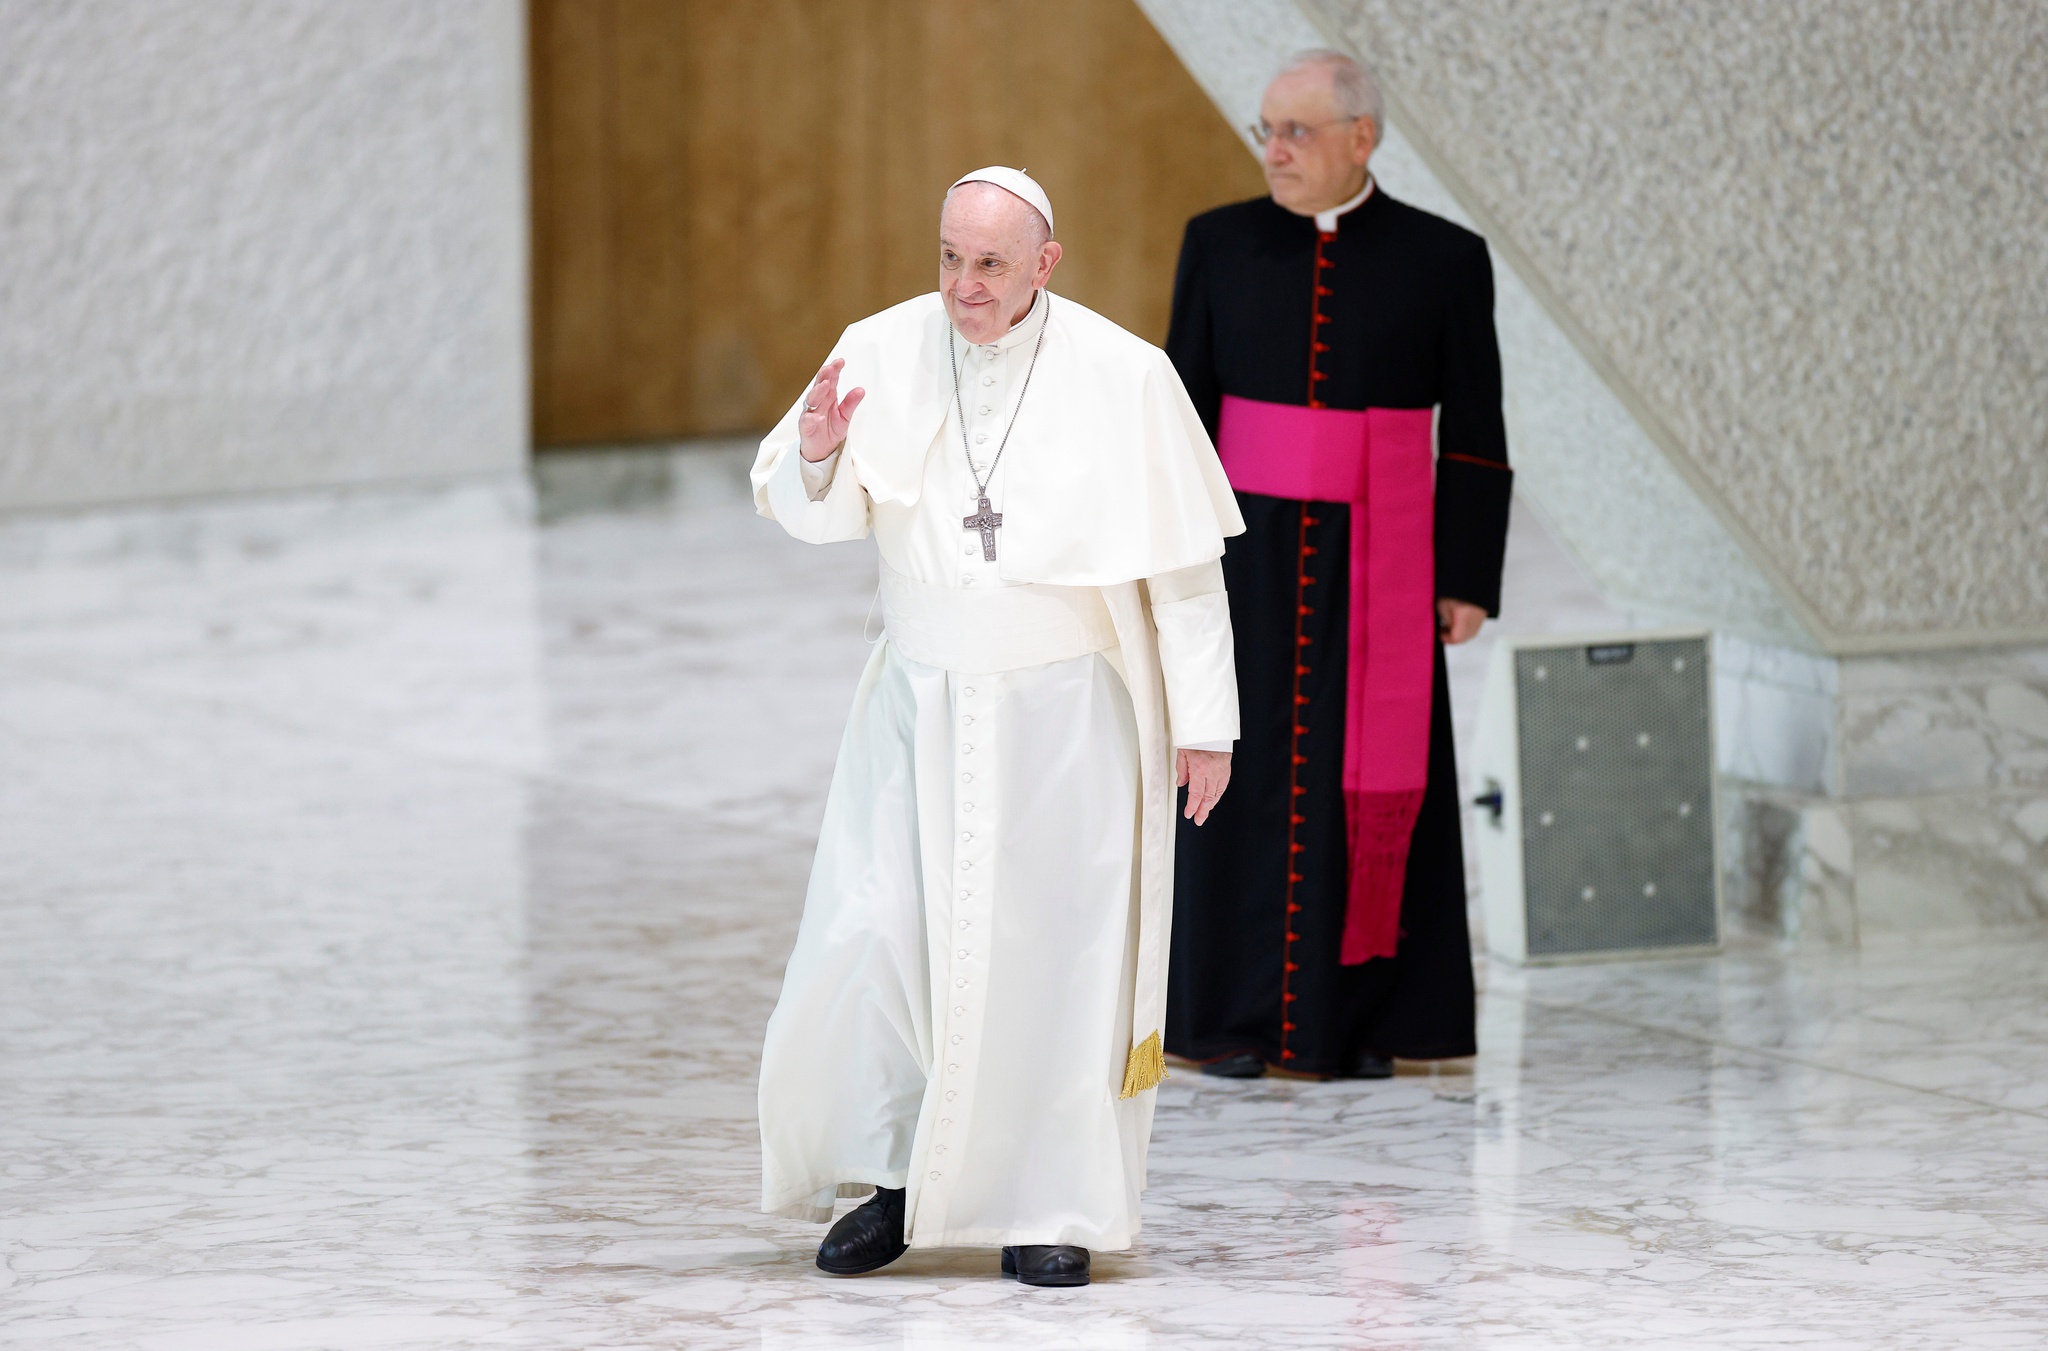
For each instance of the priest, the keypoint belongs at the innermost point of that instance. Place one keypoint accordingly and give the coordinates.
(970, 1024)
(1339, 345)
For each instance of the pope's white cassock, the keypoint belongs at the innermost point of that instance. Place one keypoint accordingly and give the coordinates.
(973, 1007)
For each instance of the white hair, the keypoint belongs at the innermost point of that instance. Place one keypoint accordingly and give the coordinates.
(1036, 232)
(1356, 88)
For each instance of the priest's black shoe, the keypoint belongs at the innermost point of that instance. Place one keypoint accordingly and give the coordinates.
(1047, 1264)
(1368, 1065)
(1243, 1065)
(867, 1238)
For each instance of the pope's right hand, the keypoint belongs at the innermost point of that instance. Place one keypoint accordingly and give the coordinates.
(822, 423)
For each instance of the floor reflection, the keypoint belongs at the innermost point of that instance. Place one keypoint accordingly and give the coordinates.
(394, 891)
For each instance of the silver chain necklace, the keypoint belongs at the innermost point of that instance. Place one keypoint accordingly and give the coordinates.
(985, 520)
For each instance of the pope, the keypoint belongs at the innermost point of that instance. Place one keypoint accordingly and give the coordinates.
(970, 1024)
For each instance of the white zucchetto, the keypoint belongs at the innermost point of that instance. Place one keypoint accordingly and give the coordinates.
(1015, 182)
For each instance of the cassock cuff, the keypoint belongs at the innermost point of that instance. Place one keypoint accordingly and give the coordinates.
(1471, 530)
(1198, 660)
(1210, 746)
(817, 475)
(838, 513)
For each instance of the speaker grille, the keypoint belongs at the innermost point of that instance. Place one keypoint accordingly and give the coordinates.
(1616, 781)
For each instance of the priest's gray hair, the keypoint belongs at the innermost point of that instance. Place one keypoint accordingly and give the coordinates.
(1356, 87)
(1036, 232)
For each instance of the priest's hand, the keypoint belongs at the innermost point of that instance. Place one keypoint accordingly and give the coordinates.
(1458, 621)
(823, 422)
(1205, 774)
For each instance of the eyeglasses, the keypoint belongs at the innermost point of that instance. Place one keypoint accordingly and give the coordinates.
(1294, 133)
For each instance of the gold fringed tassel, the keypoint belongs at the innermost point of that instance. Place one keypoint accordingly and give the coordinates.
(1146, 1068)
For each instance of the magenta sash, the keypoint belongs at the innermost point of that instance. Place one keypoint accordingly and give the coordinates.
(1380, 461)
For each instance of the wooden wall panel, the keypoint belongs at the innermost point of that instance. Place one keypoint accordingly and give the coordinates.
(720, 186)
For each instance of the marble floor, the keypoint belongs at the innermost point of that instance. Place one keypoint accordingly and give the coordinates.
(392, 892)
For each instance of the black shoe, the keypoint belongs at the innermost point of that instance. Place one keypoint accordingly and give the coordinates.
(1369, 1065)
(866, 1238)
(1243, 1065)
(1047, 1264)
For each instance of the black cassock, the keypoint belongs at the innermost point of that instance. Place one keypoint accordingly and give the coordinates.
(1392, 310)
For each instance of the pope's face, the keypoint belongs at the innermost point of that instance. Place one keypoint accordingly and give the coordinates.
(991, 260)
(1314, 156)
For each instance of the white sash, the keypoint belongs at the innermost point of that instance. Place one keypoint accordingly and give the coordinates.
(1002, 628)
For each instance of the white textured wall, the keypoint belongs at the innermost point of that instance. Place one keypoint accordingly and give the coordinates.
(258, 244)
(1805, 240)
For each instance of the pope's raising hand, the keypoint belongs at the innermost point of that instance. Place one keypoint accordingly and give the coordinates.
(822, 423)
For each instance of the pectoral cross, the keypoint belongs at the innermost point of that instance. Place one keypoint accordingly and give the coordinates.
(986, 522)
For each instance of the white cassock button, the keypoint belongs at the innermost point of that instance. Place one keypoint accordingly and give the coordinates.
(952, 1069)
(969, 581)
(951, 1095)
(967, 750)
(956, 1041)
(964, 923)
(966, 865)
(967, 837)
(945, 1121)
(967, 552)
(967, 806)
(967, 719)
(939, 1149)
(983, 410)
(964, 955)
(935, 1177)
(965, 894)
(988, 379)
(962, 983)
(959, 1011)
(980, 437)
(969, 691)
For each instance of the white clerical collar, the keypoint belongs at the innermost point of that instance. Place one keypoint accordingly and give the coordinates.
(1326, 221)
(1024, 330)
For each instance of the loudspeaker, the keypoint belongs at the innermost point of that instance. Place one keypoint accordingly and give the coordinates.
(1596, 809)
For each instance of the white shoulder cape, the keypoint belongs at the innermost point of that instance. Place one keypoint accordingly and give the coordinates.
(1109, 476)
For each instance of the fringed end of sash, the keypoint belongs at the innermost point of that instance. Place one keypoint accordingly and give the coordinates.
(1146, 1067)
(1381, 824)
